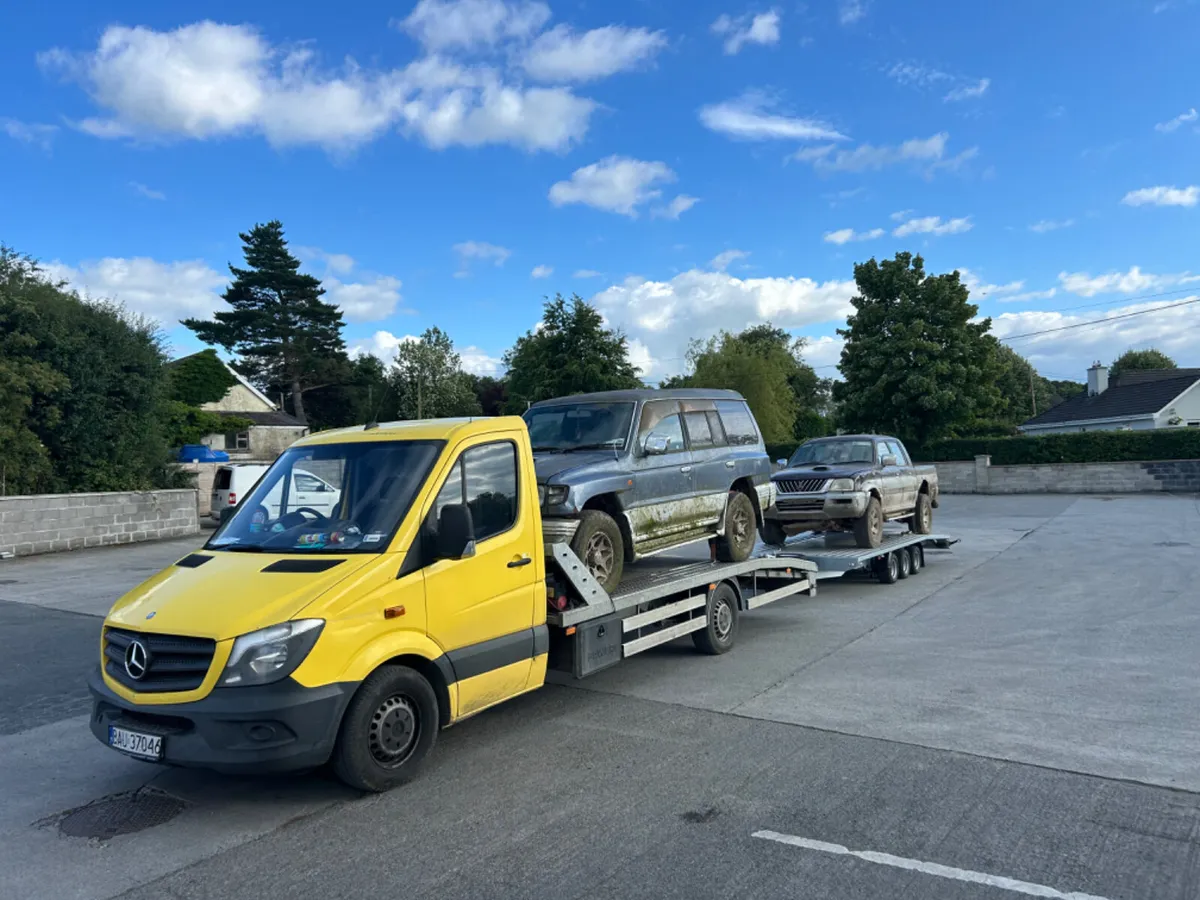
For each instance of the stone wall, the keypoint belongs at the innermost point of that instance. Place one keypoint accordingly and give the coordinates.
(981, 477)
(44, 523)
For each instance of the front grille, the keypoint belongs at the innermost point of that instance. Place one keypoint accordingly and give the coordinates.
(800, 505)
(173, 663)
(801, 485)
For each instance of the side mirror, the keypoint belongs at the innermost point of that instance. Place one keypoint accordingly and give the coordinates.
(781, 463)
(456, 532)
(657, 444)
(888, 460)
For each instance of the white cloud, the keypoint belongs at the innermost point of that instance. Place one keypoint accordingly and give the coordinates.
(749, 118)
(1132, 282)
(664, 315)
(748, 29)
(471, 250)
(587, 273)
(341, 263)
(209, 80)
(477, 362)
(29, 132)
(364, 301)
(541, 272)
(917, 74)
(1163, 196)
(927, 153)
(562, 55)
(165, 292)
(382, 344)
(614, 184)
(1041, 227)
(469, 24)
(968, 91)
(850, 11)
(1028, 296)
(725, 258)
(1182, 119)
(846, 235)
(677, 207)
(901, 214)
(823, 354)
(979, 288)
(933, 225)
(148, 193)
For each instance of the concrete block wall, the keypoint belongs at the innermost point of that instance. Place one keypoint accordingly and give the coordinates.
(46, 523)
(981, 477)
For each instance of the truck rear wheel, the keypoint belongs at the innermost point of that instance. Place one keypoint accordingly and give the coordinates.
(388, 729)
(720, 630)
(598, 543)
(868, 528)
(737, 543)
(922, 517)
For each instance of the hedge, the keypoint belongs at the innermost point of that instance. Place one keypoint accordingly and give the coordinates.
(1076, 447)
(782, 451)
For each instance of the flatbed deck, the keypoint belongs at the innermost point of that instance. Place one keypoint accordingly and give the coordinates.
(836, 554)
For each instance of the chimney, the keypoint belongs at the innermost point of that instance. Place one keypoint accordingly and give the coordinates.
(1097, 379)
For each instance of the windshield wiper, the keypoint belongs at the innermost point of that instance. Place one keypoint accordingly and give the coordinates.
(600, 445)
(548, 449)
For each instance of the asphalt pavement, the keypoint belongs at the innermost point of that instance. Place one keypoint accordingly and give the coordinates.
(1021, 718)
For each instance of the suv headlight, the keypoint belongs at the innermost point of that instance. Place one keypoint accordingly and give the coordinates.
(841, 484)
(270, 654)
(554, 494)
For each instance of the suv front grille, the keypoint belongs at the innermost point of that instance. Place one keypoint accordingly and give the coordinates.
(173, 663)
(801, 485)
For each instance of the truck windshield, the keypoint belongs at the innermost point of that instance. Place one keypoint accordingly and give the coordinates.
(832, 453)
(333, 498)
(564, 427)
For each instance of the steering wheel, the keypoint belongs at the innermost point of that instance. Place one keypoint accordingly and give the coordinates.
(317, 516)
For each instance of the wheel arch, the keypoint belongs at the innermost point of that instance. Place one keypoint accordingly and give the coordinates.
(611, 506)
(745, 485)
(431, 671)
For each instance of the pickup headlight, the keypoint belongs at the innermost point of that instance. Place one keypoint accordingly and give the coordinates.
(552, 495)
(270, 654)
(841, 484)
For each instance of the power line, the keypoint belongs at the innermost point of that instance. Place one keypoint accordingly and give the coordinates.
(1090, 322)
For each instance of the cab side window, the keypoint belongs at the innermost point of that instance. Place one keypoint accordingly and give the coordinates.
(484, 479)
(661, 418)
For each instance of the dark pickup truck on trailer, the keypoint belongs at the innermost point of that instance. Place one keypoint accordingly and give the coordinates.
(852, 482)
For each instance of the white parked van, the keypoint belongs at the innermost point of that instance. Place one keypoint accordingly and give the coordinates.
(234, 482)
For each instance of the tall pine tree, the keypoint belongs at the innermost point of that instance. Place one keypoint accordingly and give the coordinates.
(281, 330)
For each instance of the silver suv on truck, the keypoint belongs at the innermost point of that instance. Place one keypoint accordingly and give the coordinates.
(852, 482)
(624, 474)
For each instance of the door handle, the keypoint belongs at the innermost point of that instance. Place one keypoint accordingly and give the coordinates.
(729, 464)
(520, 561)
(685, 469)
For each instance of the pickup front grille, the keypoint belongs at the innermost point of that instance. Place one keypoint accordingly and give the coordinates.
(172, 663)
(785, 505)
(801, 485)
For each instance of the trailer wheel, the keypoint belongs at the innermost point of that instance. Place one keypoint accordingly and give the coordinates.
(887, 568)
(388, 729)
(720, 630)
(598, 543)
(737, 543)
(916, 558)
(905, 562)
(868, 528)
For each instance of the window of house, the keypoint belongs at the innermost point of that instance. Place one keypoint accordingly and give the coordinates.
(239, 440)
(485, 479)
(1193, 424)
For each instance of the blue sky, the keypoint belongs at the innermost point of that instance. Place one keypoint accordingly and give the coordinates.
(688, 167)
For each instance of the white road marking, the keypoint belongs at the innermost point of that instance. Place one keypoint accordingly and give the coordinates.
(929, 868)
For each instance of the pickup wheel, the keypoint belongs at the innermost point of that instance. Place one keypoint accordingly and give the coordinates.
(720, 630)
(773, 533)
(388, 729)
(598, 543)
(737, 543)
(922, 517)
(868, 528)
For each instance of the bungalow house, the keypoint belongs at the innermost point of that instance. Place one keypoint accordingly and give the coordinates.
(1135, 401)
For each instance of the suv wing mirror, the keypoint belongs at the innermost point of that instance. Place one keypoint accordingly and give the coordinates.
(657, 444)
(456, 532)
(888, 460)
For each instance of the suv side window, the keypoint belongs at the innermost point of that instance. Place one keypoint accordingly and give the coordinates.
(485, 479)
(739, 424)
(699, 434)
(662, 417)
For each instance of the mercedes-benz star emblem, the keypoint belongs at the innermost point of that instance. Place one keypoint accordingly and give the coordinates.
(137, 658)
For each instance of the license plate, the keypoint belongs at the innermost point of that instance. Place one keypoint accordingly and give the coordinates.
(144, 746)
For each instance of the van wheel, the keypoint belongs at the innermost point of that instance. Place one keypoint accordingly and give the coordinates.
(737, 543)
(868, 528)
(388, 729)
(720, 631)
(598, 543)
(773, 533)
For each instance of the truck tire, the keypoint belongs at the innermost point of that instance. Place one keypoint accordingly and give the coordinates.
(737, 543)
(905, 562)
(916, 558)
(389, 728)
(887, 568)
(921, 521)
(773, 533)
(599, 544)
(868, 528)
(720, 630)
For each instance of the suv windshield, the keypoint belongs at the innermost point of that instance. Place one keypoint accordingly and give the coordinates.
(579, 426)
(833, 452)
(337, 498)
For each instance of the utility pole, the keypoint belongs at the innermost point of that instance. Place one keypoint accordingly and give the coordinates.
(1032, 392)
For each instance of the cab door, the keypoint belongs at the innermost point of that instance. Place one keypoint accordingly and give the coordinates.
(480, 609)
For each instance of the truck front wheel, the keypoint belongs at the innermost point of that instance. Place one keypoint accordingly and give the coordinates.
(388, 729)
(868, 528)
(598, 543)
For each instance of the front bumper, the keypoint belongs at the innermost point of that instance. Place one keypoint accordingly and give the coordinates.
(818, 507)
(558, 531)
(277, 727)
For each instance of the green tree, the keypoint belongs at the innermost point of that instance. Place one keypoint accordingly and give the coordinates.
(914, 364)
(428, 379)
(572, 353)
(200, 378)
(1065, 390)
(1139, 361)
(758, 370)
(492, 394)
(279, 327)
(1023, 392)
(358, 392)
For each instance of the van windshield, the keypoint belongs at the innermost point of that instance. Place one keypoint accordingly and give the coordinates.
(564, 427)
(332, 498)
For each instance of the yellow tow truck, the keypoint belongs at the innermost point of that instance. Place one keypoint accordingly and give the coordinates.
(378, 584)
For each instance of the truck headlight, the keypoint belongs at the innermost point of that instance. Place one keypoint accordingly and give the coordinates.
(270, 654)
(554, 494)
(842, 484)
